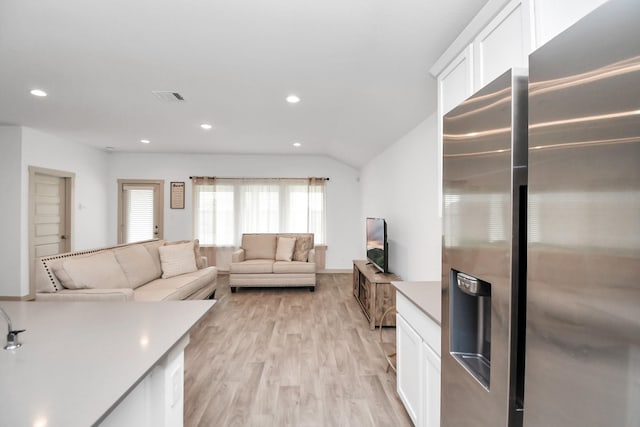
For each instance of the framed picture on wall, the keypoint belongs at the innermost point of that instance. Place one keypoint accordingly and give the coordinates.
(177, 195)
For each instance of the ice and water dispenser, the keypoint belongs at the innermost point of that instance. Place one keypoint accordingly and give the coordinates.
(471, 324)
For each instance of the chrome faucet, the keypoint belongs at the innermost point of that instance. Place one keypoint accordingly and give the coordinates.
(12, 336)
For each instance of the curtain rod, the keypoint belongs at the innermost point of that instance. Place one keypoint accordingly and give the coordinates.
(219, 177)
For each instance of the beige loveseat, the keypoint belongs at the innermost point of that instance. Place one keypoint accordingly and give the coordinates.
(271, 260)
(146, 271)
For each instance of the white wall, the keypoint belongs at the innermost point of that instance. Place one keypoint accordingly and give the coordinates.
(23, 147)
(343, 190)
(10, 218)
(90, 166)
(401, 186)
(90, 210)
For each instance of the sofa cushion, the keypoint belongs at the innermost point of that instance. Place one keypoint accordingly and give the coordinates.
(284, 249)
(97, 270)
(177, 259)
(304, 243)
(137, 264)
(259, 246)
(152, 248)
(119, 294)
(294, 267)
(252, 266)
(175, 288)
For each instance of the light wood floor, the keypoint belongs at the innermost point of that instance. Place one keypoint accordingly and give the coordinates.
(289, 357)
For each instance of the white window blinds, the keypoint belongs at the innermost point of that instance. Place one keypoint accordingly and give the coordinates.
(139, 214)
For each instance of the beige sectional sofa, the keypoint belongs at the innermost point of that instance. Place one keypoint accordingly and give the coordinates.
(146, 271)
(274, 260)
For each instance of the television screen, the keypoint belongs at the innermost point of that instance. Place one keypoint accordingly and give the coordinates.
(377, 243)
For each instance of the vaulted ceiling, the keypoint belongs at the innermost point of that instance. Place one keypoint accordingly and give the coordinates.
(360, 68)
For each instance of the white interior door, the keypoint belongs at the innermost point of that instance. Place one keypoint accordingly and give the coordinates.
(50, 201)
(140, 211)
(50, 234)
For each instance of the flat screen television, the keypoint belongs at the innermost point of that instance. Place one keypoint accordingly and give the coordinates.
(377, 248)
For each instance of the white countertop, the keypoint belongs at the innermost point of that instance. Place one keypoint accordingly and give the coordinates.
(78, 359)
(427, 296)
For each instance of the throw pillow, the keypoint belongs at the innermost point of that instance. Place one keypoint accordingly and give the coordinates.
(284, 252)
(303, 246)
(63, 277)
(152, 248)
(177, 259)
(200, 263)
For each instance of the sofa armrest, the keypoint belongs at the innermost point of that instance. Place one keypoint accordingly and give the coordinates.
(117, 294)
(204, 262)
(237, 256)
(312, 256)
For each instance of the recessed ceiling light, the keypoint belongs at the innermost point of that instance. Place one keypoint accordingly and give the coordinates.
(293, 99)
(206, 126)
(297, 144)
(145, 141)
(38, 92)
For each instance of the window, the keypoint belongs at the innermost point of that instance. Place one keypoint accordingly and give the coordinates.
(225, 208)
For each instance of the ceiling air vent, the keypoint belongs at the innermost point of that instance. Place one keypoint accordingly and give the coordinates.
(168, 96)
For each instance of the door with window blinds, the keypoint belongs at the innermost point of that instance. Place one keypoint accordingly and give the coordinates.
(141, 212)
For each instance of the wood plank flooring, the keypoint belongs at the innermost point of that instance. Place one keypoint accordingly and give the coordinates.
(289, 357)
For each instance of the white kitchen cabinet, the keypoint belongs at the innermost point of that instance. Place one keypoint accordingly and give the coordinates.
(504, 43)
(499, 37)
(408, 356)
(455, 83)
(418, 362)
(430, 387)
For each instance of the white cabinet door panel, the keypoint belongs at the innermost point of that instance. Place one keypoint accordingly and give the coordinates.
(409, 362)
(505, 43)
(426, 327)
(455, 83)
(430, 387)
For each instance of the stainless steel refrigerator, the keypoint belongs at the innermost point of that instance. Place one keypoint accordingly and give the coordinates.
(583, 282)
(484, 195)
(541, 275)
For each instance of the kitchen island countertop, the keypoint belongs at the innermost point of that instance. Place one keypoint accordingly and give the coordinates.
(78, 360)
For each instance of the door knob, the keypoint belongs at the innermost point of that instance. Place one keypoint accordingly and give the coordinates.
(63, 237)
